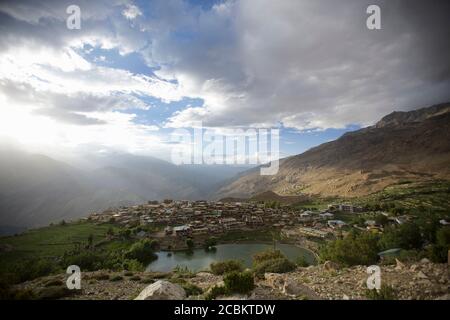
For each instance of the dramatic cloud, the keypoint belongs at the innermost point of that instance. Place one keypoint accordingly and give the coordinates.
(309, 64)
(299, 64)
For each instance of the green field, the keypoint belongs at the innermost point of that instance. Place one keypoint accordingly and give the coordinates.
(50, 242)
(424, 196)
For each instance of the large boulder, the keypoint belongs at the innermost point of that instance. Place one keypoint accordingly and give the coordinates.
(162, 290)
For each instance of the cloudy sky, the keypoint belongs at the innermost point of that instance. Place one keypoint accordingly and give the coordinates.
(136, 70)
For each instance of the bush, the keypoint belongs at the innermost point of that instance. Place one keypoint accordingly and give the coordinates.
(192, 289)
(53, 282)
(32, 269)
(190, 244)
(239, 282)
(88, 260)
(132, 265)
(210, 243)
(301, 262)
(141, 251)
(385, 293)
(7, 292)
(154, 244)
(54, 292)
(182, 272)
(405, 236)
(281, 265)
(267, 255)
(116, 278)
(439, 251)
(355, 249)
(381, 219)
(271, 261)
(222, 267)
(215, 291)
(101, 276)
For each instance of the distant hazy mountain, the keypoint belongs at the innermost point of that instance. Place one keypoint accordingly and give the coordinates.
(36, 190)
(411, 146)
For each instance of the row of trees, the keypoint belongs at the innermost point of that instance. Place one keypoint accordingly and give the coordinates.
(427, 240)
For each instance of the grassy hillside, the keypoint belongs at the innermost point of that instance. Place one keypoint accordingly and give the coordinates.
(49, 242)
(425, 196)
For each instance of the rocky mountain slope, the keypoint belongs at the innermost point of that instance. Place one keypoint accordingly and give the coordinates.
(413, 146)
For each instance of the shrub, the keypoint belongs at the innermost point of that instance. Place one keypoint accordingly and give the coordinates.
(215, 291)
(53, 282)
(385, 293)
(271, 261)
(147, 280)
(54, 292)
(110, 231)
(267, 255)
(135, 278)
(116, 278)
(405, 236)
(141, 251)
(439, 251)
(210, 243)
(88, 260)
(132, 265)
(154, 244)
(354, 249)
(182, 272)
(7, 292)
(101, 276)
(192, 289)
(280, 265)
(381, 219)
(222, 267)
(239, 282)
(190, 244)
(32, 269)
(301, 262)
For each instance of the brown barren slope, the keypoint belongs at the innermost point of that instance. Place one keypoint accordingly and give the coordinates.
(412, 146)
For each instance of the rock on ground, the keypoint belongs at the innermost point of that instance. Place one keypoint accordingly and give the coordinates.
(162, 290)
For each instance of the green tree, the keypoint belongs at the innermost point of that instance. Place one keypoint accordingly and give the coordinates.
(141, 251)
(381, 219)
(90, 240)
(439, 250)
(210, 243)
(356, 248)
(406, 236)
(190, 244)
(110, 231)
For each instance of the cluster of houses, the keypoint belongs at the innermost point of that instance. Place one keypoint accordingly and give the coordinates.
(191, 218)
(184, 218)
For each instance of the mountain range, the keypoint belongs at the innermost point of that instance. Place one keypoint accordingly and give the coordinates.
(36, 189)
(402, 146)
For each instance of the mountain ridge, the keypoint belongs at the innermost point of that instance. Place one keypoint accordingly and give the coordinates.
(410, 145)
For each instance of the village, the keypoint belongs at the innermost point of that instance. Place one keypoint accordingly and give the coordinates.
(200, 220)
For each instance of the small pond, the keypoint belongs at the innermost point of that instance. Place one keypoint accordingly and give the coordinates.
(200, 259)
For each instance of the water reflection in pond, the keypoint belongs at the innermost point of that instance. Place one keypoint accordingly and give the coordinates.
(200, 259)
